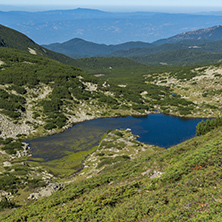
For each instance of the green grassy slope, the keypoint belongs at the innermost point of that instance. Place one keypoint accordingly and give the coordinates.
(182, 183)
(181, 57)
(103, 65)
(214, 46)
(147, 51)
(14, 39)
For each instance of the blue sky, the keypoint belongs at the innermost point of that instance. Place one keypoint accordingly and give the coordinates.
(146, 5)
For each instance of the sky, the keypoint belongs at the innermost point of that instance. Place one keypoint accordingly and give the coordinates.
(118, 5)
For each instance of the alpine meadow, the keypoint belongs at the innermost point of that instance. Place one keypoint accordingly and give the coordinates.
(92, 70)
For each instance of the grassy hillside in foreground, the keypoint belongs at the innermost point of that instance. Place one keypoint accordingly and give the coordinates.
(182, 183)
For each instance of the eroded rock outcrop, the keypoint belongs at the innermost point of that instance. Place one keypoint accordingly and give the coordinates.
(45, 191)
(9, 129)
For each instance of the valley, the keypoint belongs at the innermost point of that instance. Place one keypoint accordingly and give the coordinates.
(43, 93)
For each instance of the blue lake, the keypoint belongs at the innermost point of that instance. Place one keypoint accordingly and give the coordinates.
(156, 129)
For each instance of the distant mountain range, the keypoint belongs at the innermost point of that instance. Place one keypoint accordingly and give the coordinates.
(188, 51)
(77, 48)
(104, 27)
(10, 38)
(196, 47)
(198, 39)
(213, 33)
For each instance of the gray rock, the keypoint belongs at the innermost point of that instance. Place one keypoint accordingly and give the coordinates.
(46, 191)
(146, 172)
(156, 174)
(7, 164)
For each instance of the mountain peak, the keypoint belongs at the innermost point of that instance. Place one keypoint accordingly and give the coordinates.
(87, 9)
(213, 33)
(203, 31)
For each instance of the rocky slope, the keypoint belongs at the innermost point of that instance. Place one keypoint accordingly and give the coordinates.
(200, 85)
(210, 34)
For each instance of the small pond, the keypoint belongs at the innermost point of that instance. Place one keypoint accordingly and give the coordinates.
(157, 129)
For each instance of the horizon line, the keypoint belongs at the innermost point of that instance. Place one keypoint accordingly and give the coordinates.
(113, 8)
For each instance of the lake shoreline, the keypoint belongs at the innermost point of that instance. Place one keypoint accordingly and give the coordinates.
(10, 129)
(81, 120)
(155, 129)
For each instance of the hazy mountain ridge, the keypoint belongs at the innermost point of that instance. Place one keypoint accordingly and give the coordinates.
(182, 40)
(103, 27)
(212, 33)
(203, 40)
(81, 47)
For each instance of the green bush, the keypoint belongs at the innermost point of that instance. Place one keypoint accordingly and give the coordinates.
(4, 204)
(204, 127)
(12, 147)
(11, 104)
(100, 154)
(140, 107)
(18, 89)
(118, 133)
(107, 99)
(108, 161)
(50, 126)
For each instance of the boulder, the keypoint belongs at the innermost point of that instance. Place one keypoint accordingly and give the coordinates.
(46, 191)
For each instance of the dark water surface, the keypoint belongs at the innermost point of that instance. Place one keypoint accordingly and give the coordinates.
(157, 129)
